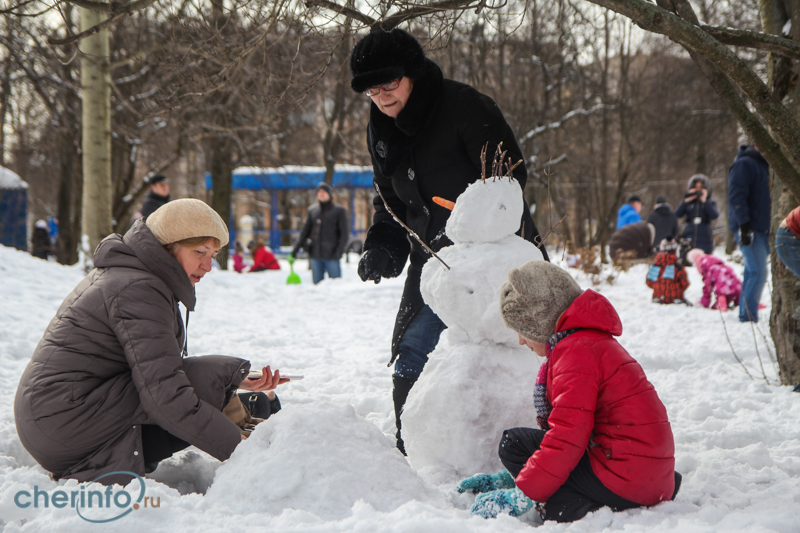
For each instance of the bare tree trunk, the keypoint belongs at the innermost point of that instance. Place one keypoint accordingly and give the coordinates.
(332, 142)
(5, 92)
(221, 167)
(69, 191)
(783, 322)
(96, 99)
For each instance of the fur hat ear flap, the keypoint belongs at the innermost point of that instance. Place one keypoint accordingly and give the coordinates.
(517, 279)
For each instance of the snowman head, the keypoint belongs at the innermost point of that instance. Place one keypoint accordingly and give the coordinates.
(487, 211)
(482, 227)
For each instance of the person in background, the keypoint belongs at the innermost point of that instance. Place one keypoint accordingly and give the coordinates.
(40, 240)
(787, 245)
(605, 437)
(749, 207)
(324, 235)
(667, 276)
(629, 213)
(718, 280)
(637, 237)
(663, 219)
(263, 258)
(238, 257)
(157, 196)
(700, 211)
(425, 137)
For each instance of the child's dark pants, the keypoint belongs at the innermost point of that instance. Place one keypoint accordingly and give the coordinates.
(580, 494)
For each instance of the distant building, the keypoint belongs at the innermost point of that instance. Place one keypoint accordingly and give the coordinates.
(13, 210)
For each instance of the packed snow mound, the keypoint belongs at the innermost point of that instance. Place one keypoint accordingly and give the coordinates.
(11, 180)
(466, 297)
(317, 458)
(486, 211)
(467, 395)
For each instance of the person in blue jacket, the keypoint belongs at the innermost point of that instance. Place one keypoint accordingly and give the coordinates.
(700, 211)
(629, 213)
(749, 217)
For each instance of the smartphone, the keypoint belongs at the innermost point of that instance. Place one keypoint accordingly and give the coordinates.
(256, 374)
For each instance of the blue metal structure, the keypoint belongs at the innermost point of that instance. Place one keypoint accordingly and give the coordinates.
(13, 210)
(293, 178)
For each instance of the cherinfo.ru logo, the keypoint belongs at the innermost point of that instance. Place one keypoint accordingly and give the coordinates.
(97, 506)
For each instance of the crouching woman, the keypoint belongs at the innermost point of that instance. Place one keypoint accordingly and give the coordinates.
(605, 439)
(108, 388)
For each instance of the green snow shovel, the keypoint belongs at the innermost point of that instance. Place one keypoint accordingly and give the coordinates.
(293, 278)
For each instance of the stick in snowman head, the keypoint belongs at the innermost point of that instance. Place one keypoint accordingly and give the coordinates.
(409, 230)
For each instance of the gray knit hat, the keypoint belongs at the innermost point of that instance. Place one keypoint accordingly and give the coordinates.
(534, 297)
(186, 218)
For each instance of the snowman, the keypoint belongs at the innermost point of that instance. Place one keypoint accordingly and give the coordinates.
(481, 381)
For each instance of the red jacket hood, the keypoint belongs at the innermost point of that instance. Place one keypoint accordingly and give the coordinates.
(591, 310)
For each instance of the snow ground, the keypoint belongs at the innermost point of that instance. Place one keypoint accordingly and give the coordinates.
(326, 462)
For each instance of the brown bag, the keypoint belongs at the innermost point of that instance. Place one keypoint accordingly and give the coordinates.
(240, 415)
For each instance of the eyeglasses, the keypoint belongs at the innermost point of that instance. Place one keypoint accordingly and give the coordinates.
(386, 87)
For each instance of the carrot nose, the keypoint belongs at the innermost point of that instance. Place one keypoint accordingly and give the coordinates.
(444, 203)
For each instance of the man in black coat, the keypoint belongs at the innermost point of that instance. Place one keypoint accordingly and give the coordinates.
(664, 220)
(749, 211)
(425, 137)
(157, 196)
(324, 235)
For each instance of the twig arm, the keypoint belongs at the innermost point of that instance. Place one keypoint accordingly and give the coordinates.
(409, 230)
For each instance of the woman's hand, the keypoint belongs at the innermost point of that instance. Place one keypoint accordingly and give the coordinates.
(703, 195)
(267, 382)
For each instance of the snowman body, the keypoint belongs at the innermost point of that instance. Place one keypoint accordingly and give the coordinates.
(480, 382)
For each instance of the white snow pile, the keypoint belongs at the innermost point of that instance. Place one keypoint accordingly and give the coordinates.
(320, 464)
(11, 180)
(482, 378)
(339, 460)
(457, 411)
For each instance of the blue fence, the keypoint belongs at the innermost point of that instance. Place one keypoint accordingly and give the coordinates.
(294, 178)
(14, 218)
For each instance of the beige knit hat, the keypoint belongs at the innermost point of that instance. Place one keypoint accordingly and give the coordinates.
(186, 218)
(534, 297)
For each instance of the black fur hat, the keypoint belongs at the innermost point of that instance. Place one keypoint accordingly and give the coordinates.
(383, 56)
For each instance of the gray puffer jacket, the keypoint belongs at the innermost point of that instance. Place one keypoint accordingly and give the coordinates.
(111, 360)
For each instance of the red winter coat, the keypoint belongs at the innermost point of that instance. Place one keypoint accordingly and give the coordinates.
(601, 402)
(263, 259)
(671, 283)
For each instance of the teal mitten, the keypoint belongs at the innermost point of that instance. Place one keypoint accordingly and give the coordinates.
(486, 482)
(511, 501)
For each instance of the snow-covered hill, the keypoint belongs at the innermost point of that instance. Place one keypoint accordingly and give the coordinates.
(326, 462)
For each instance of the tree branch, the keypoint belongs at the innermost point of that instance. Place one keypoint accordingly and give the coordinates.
(394, 20)
(559, 123)
(117, 13)
(91, 5)
(657, 20)
(754, 39)
(342, 10)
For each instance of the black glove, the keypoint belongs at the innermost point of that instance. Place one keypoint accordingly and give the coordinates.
(745, 234)
(373, 264)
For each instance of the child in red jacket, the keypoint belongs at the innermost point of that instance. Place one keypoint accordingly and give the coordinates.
(263, 259)
(605, 439)
(666, 276)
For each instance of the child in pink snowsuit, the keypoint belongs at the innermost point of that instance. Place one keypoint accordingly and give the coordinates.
(718, 278)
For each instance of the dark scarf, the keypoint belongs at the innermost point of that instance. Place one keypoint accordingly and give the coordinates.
(324, 207)
(540, 400)
(391, 139)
